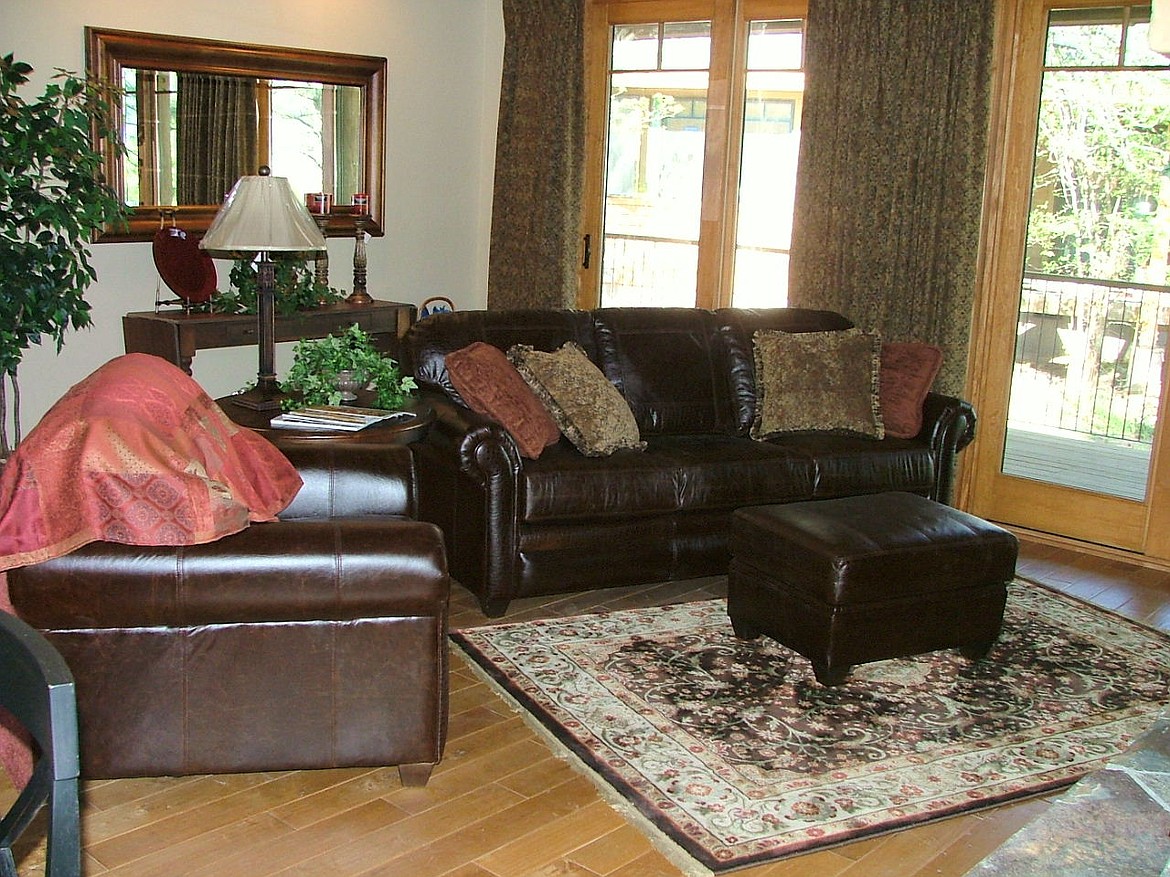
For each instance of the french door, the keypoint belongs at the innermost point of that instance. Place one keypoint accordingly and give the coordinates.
(1074, 316)
(694, 127)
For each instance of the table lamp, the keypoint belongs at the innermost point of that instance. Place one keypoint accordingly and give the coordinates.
(261, 215)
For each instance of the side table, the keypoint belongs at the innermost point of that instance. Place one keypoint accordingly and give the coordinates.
(177, 336)
(397, 432)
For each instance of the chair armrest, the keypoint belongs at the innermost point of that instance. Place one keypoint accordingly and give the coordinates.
(280, 571)
(349, 480)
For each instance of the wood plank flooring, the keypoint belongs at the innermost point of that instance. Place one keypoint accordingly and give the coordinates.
(501, 804)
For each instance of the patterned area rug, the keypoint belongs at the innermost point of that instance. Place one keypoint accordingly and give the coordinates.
(734, 753)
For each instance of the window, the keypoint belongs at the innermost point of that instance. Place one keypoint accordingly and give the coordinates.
(694, 128)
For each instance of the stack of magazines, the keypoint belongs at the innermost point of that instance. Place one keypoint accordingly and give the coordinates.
(344, 418)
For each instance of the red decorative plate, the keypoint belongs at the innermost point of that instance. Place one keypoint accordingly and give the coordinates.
(186, 269)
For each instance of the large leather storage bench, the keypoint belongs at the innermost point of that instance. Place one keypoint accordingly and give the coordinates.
(858, 579)
(316, 641)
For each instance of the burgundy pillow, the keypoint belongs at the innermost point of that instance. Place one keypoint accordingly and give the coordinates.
(908, 369)
(490, 385)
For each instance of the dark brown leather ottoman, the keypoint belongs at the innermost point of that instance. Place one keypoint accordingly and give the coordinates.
(858, 579)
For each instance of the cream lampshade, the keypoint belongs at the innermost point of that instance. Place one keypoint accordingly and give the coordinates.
(261, 215)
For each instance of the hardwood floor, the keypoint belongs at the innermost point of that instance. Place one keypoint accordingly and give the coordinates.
(501, 804)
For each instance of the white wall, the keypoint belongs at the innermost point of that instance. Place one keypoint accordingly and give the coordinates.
(443, 91)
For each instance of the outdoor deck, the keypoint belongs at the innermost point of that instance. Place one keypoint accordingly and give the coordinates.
(1078, 460)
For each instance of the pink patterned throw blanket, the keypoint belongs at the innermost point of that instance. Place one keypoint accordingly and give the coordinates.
(138, 454)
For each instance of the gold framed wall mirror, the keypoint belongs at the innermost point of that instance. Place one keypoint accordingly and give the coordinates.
(197, 114)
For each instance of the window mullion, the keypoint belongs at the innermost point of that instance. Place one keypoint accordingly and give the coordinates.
(712, 289)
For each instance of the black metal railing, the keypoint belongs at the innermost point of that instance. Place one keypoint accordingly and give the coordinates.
(1089, 356)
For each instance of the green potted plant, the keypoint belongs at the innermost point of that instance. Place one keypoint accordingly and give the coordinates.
(319, 363)
(297, 289)
(52, 201)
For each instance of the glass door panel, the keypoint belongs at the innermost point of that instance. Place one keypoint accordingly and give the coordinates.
(773, 96)
(654, 164)
(1093, 307)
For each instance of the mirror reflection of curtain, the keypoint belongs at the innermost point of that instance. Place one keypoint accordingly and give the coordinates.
(350, 174)
(147, 141)
(217, 123)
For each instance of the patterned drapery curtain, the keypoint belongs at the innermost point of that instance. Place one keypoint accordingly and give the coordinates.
(145, 83)
(540, 144)
(892, 158)
(217, 124)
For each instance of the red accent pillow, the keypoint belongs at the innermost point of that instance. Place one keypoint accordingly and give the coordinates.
(908, 369)
(490, 385)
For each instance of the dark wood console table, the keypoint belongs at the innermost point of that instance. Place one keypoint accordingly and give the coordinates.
(176, 336)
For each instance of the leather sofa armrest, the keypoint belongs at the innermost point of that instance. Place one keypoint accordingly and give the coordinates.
(478, 440)
(469, 472)
(948, 426)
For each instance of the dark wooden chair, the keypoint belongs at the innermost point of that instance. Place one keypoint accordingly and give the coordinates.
(38, 690)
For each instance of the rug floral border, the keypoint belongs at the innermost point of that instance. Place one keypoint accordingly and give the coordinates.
(731, 832)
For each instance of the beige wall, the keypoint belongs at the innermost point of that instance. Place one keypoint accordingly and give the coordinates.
(443, 90)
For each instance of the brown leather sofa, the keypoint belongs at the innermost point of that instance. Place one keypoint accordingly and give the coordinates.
(519, 527)
(315, 641)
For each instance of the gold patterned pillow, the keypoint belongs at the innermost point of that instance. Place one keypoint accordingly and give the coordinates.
(817, 382)
(589, 410)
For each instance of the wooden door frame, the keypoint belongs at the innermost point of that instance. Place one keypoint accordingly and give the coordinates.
(1131, 526)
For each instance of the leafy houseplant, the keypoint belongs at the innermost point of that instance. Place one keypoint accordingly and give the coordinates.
(52, 200)
(297, 289)
(317, 362)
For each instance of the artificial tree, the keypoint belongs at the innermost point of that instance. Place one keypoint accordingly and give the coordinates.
(52, 201)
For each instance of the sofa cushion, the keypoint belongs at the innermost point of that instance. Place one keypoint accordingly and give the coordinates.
(908, 370)
(726, 472)
(817, 382)
(289, 571)
(491, 385)
(844, 465)
(673, 474)
(566, 485)
(669, 366)
(736, 328)
(585, 405)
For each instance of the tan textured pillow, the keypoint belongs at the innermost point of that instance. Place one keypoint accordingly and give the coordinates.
(585, 405)
(817, 382)
(490, 385)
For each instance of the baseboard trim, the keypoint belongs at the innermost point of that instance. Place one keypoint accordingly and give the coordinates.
(1091, 548)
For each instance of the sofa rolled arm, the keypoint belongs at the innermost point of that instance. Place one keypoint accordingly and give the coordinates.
(948, 426)
(469, 470)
